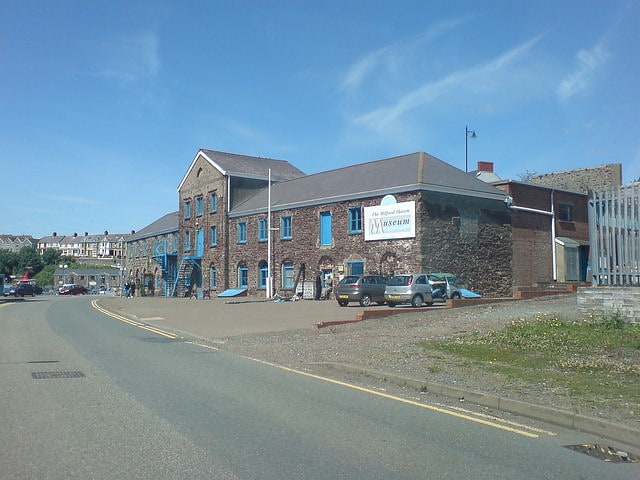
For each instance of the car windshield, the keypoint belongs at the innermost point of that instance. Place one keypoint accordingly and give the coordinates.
(400, 280)
(349, 280)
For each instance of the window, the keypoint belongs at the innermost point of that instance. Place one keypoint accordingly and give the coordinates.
(214, 236)
(356, 267)
(187, 241)
(262, 230)
(287, 275)
(199, 207)
(264, 272)
(355, 220)
(213, 281)
(187, 209)
(243, 276)
(214, 203)
(565, 212)
(285, 227)
(242, 232)
(326, 237)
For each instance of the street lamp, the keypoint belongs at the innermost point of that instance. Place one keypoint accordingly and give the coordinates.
(64, 268)
(467, 133)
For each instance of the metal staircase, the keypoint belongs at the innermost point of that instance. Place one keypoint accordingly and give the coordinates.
(167, 264)
(183, 278)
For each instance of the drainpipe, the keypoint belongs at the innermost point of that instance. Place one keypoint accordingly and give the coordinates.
(509, 201)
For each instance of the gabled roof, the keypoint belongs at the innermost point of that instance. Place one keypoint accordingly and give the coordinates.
(235, 165)
(166, 224)
(415, 171)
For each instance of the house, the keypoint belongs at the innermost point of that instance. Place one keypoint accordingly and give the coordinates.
(152, 256)
(14, 243)
(408, 213)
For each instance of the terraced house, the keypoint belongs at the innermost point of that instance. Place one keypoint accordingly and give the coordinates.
(408, 213)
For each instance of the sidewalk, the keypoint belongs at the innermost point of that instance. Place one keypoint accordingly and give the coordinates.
(219, 318)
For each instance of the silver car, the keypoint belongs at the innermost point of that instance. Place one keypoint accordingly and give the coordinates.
(362, 289)
(410, 288)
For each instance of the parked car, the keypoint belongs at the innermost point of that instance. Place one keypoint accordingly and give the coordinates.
(363, 289)
(410, 288)
(22, 290)
(443, 285)
(73, 290)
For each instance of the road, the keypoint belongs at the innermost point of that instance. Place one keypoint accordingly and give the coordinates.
(85, 395)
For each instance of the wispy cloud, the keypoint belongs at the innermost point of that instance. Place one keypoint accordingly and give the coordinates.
(388, 57)
(485, 76)
(588, 63)
(70, 199)
(130, 58)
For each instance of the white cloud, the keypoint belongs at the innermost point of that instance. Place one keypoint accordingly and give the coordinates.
(588, 62)
(131, 58)
(388, 57)
(488, 76)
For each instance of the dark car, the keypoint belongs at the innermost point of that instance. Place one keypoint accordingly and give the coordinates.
(443, 285)
(23, 290)
(363, 289)
(73, 290)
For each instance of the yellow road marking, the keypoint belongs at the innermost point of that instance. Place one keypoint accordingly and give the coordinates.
(482, 419)
(94, 304)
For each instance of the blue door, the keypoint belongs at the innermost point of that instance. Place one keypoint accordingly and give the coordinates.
(199, 243)
(325, 228)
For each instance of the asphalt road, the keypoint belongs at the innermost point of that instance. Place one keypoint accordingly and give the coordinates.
(118, 401)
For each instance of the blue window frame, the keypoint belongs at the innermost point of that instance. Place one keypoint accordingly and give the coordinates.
(356, 267)
(264, 272)
(242, 232)
(214, 236)
(326, 236)
(213, 206)
(285, 227)
(287, 275)
(243, 276)
(199, 208)
(187, 209)
(355, 219)
(262, 230)
(213, 281)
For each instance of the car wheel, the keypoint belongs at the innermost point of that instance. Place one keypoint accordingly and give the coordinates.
(342, 303)
(391, 304)
(455, 296)
(365, 300)
(416, 301)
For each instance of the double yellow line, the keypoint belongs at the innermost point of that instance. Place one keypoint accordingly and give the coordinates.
(483, 419)
(164, 333)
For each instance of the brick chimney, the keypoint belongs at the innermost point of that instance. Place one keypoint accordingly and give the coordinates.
(485, 167)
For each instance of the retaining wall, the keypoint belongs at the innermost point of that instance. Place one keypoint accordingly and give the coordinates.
(610, 300)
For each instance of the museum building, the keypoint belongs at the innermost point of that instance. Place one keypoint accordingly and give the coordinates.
(261, 225)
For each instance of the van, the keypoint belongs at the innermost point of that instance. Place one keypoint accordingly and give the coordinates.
(413, 288)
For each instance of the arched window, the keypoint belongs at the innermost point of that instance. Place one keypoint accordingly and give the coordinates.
(264, 271)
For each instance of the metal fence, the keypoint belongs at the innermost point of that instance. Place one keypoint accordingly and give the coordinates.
(614, 235)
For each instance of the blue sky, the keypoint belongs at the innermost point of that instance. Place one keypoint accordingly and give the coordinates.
(104, 104)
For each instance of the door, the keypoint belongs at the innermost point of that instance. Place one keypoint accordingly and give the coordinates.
(199, 243)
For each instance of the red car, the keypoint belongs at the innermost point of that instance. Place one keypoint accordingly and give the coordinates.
(73, 290)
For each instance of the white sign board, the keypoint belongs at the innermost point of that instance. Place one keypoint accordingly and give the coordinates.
(384, 222)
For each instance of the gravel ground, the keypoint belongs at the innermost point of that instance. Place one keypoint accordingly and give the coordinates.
(390, 345)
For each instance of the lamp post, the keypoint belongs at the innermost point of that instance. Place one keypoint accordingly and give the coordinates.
(64, 268)
(467, 133)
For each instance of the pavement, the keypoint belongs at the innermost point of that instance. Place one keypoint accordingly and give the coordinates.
(217, 318)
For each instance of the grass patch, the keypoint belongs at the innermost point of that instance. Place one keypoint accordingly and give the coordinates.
(593, 359)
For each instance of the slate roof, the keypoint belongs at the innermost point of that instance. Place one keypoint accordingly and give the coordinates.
(412, 172)
(245, 166)
(166, 224)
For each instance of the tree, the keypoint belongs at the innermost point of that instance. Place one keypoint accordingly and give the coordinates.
(28, 257)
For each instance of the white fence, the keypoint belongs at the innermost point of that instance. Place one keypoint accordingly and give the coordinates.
(614, 236)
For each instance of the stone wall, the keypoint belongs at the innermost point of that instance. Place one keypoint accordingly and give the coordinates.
(610, 301)
(583, 179)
